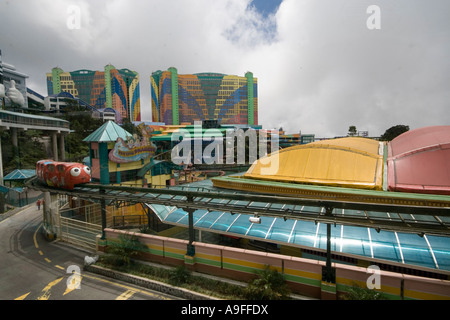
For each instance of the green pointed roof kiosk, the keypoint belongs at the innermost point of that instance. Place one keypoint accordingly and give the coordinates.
(98, 156)
(98, 146)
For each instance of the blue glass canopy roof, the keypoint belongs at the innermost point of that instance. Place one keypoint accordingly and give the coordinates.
(20, 174)
(405, 248)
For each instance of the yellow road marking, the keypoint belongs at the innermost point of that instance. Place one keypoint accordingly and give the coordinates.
(46, 290)
(75, 284)
(126, 295)
(130, 291)
(22, 297)
(34, 237)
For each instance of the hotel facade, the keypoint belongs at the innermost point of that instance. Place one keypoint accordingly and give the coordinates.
(185, 98)
(113, 88)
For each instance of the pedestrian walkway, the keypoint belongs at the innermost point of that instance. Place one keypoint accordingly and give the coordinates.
(13, 211)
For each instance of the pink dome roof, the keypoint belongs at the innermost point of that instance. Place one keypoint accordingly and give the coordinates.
(419, 161)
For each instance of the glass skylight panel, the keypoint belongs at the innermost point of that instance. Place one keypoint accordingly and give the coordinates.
(260, 230)
(320, 240)
(223, 222)
(238, 203)
(278, 206)
(183, 218)
(415, 250)
(161, 211)
(209, 220)
(241, 225)
(281, 230)
(407, 217)
(198, 214)
(259, 205)
(429, 251)
(441, 250)
(303, 233)
(424, 218)
(445, 220)
(384, 245)
(377, 215)
(165, 196)
(308, 209)
(355, 213)
(355, 240)
(175, 216)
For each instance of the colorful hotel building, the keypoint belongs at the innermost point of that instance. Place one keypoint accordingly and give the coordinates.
(111, 88)
(184, 98)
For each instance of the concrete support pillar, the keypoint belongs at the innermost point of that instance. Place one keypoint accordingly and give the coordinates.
(55, 215)
(55, 145)
(15, 143)
(51, 216)
(14, 137)
(62, 153)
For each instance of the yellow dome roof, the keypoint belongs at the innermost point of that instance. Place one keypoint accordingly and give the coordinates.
(347, 162)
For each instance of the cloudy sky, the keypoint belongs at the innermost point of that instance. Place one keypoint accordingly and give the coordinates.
(322, 65)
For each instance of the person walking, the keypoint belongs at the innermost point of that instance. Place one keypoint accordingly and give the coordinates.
(38, 203)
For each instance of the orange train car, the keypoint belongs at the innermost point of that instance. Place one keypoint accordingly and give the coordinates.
(62, 174)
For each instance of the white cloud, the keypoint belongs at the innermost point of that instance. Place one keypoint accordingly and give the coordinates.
(319, 68)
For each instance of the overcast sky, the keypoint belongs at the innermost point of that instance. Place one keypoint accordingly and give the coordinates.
(322, 65)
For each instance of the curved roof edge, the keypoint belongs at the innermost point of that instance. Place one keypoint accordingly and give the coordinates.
(345, 162)
(419, 161)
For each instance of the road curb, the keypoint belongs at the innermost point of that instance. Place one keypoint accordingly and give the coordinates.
(148, 283)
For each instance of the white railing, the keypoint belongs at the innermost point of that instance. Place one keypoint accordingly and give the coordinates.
(80, 233)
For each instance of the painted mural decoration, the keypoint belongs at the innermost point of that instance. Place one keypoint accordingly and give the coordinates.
(134, 148)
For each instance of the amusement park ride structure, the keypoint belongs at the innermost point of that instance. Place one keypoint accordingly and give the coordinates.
(431, 215)
(360, 188)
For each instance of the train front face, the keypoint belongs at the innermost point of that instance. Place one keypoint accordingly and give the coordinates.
(77, 174)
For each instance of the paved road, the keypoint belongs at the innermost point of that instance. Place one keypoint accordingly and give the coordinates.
(32, 268)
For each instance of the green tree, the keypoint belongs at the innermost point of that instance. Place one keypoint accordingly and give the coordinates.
(130, 127)
(394, 132)
(359, 293)
(179, 275)
(83, 124)
(352, 131)
(28, 151)
(122, 252)
(270, 285)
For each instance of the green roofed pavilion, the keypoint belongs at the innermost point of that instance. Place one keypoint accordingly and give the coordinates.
(108, 132)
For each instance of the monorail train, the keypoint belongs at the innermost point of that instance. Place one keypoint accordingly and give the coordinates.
(62, 174)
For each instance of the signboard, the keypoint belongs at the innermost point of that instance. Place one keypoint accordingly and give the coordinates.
(133, 149)
(130, 151)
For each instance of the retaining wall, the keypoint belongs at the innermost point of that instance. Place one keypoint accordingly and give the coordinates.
(304, 276)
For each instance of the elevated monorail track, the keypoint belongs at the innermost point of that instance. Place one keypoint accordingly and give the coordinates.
(409, 216)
